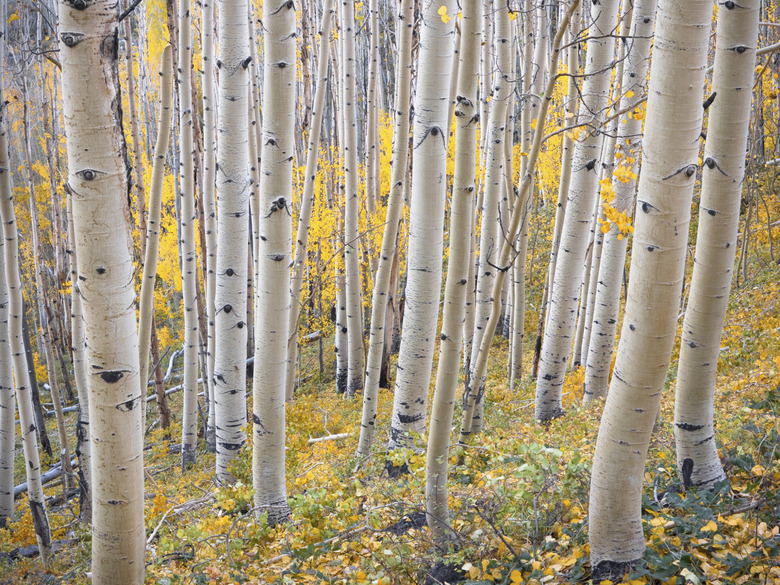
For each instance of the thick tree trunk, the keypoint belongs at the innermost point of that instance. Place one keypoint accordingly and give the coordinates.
(233, 235)
(426, 229)
(97, 182)
(670, 149)
(722, 176)
(272, 295)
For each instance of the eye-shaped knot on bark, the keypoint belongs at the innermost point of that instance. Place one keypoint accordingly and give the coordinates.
(245, 63)
(433, 131)
(289, 5)
(88, 174)
(79, 4)
(687, 170)
(71, 39)
(710, 163)
(739, 49)
(276, 205)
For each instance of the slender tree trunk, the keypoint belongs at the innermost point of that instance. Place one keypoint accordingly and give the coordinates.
(351, 203)
(722, 176)
(7, 403)
(670, 149)
(15, 337)
(307, 200)
(426, 229)
(579, 211)
(607, 301)
(233, 234)
(272, 295)
(382, 290)
(464, 189)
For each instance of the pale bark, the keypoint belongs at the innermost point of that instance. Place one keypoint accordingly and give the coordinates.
(189, 423)
(426, 230)
(233, 184)
(379, 298)
(209, 204)
(7, 403)
(307, 199)
(463, 189)
(613, 253)
(722, 175)
(669, 164)
(492, 232)
(97, 182)
(272, 295)
(351, 203)
(149, 277)
(576, 223)
(16, 342)
(519, 216)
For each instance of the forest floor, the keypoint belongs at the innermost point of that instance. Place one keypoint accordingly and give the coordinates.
(518, 495)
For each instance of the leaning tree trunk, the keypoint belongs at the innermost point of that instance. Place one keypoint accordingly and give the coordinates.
(15, 316)
(670, 150)
(97, 182)
(351, 203)
(426, 229)
(570, 262)
(379, 297)
(307, 199)
(724, 167)
(272, 293)
(463, 189)
(189, 420)
(623, 182)
(232, 235)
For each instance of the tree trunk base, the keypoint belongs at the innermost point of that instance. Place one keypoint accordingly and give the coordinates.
(611, 570)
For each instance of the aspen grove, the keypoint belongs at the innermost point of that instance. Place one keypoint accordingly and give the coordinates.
(389, 292)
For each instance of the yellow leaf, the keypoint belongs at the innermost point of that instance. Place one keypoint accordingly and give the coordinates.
(443, 13)
(629, 94)
(533, 124)
(516, 577)
(711, 526)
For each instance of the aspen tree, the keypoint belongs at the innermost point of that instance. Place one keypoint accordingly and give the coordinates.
(272, 294)
(669, 164)
(209, 204)
(377, 345)
(722, 175)
(233, 186)
(97, 183)
(7, 405)
(570, 262)
(491, 234)
(351, 203)
(22, 385)
(149, 277)
(613, 254)
(463, 190)
(307, 199)
(189, 426)
(426, 229)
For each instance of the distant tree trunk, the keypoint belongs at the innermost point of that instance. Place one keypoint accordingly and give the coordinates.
(613, 254)
(570, 264)
(426, 228)
(377, 344)
(669, 164)
(149, 278)
(272, 295)
(307, 199)
(97, 182)
(189, 424)
(722, 178)
(464, 189)
(233, 235)
(7, 404)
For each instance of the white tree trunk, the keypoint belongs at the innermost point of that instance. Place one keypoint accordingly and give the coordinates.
(426, 229)
(579, 210)
(464, 189)
(722, 175)
(7, 403)
(379, 297)
(351, 203)
(669, 164)
(233, 184)
(189, 421)
(274, 259)
(613, 253)
(97, 182)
